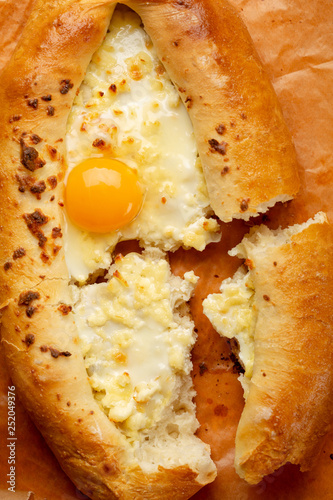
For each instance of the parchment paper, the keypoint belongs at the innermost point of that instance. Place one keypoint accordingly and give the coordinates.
(295, 42)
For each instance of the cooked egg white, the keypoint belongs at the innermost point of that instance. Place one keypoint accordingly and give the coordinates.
(128, 109)
(233, 315)
(135, 338)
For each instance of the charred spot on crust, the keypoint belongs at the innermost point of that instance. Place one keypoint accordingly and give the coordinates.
(24, 182)
(52, 151)
(38, 188)
(113, 88)
(266, 297)
(220, 129)
(52, 180)
(33, 103)
(29, 339)
(50, 111)
(56, 249)
(30, 157)
(189, 102)
(56, 232)
(15, 118)
(19, 253)
(41, 239)
(35, 138)
(26, 298)
(225, 170)
(244, 204)
(28, 182)
(64, 309)
(218, 147)
(98, 143)
(47, 97)
(30, 311)
(44, 257)
(7, 265)
(55, 353)
(34, 221)
(65, 86)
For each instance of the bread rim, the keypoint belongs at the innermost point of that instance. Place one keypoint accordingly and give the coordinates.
(289, 407)
(36, 93)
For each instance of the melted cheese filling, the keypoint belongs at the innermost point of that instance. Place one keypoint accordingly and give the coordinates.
(233, 315)
(135, 339)
(128, 109)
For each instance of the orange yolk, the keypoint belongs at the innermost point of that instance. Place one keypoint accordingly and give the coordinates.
(102, 194)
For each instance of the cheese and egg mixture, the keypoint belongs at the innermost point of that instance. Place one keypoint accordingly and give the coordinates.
(134, 174)
(129, 113)
(233, 315)
(136, 338)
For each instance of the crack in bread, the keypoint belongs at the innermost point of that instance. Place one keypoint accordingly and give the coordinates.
(289, 380)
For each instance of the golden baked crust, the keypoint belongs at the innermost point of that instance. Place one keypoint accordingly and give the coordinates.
(12, 20)
(289, 407)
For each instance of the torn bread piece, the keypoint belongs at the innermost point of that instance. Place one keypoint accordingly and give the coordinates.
(278, 308)
(108, 381)
(136, 336)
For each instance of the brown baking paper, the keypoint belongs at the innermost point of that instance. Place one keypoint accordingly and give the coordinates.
(295, 42)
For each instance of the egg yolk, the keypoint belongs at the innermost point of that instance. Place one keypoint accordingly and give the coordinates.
(102, 194)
